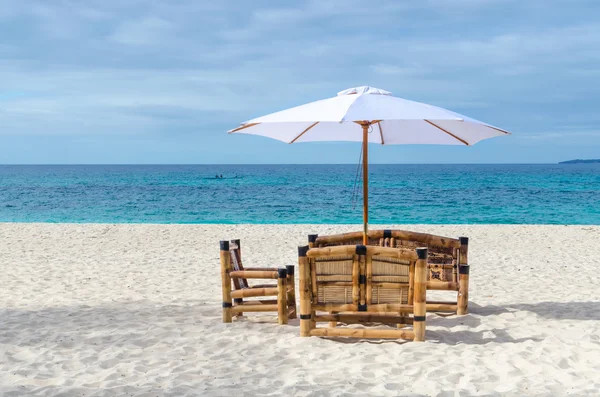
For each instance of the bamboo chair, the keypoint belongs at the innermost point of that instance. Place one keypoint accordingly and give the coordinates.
(235, 301)
(362, 284)
(447, 263)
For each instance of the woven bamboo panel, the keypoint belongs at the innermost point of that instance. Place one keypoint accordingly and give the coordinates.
(415, 244)
(334, 294)
(388, 295)
(391, 279)
(388, 270)
(334, 268)
(389, 267)
(437, 272)
(383, 259)
(436, 258)
(334, 278)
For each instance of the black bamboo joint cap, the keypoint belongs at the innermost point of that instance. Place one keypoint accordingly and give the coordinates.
(422, 253)
(312, 238)
(387, 233)
(236, 242)
(464, 240)
(224, 245)
(361, 250)
(302, 250)
(290, 270)
(282, 273)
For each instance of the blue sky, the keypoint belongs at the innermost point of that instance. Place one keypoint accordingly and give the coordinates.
(132, 81)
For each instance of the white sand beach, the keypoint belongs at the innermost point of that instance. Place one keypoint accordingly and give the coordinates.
(135, 310)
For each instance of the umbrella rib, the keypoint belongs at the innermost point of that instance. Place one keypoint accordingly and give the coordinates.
(498, 129)
(447, 132)
(380, 132)
(304, 132)
(243, 127)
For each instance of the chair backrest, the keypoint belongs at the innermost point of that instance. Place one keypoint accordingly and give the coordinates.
(236, 263)
(392, 238)
(444, 252)
(361, 276)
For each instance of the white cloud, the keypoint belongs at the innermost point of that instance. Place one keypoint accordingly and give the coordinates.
(144, 66)
(145, 31)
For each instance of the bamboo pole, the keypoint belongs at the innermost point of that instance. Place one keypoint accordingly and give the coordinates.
(291, 288)
(255, 308)
(353, 318)
(420, 297)
(338, 250)
(305, 304)
(282, 315)
(226, 280)
(254, 292)
(348, 250)
(253, 274)
(388, 285)
(403, 235)
(374, 308)
(365, 150)
(363, 333)
(463, 278)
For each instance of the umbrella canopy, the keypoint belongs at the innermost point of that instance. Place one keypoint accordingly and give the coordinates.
(370, 115)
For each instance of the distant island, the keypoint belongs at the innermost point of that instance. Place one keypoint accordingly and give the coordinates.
(579, 161)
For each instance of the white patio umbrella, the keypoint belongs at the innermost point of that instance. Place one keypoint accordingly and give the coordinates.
(367, 114)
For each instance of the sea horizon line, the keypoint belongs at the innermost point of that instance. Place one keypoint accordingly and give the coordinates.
(254, 164)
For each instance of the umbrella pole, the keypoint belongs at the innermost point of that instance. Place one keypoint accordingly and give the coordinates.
(365, 150)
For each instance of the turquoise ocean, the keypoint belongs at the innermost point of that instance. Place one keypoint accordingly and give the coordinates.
(429, 194)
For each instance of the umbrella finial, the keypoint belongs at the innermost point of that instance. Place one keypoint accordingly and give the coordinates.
(365, 89)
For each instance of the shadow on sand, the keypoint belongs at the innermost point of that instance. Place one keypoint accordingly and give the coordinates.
(131, 318)
(550, 310)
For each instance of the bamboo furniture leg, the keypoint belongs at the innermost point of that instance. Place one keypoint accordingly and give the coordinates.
(282, 312)
(226, 280)
(463, 278)
(305, 298)
(420, 299)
